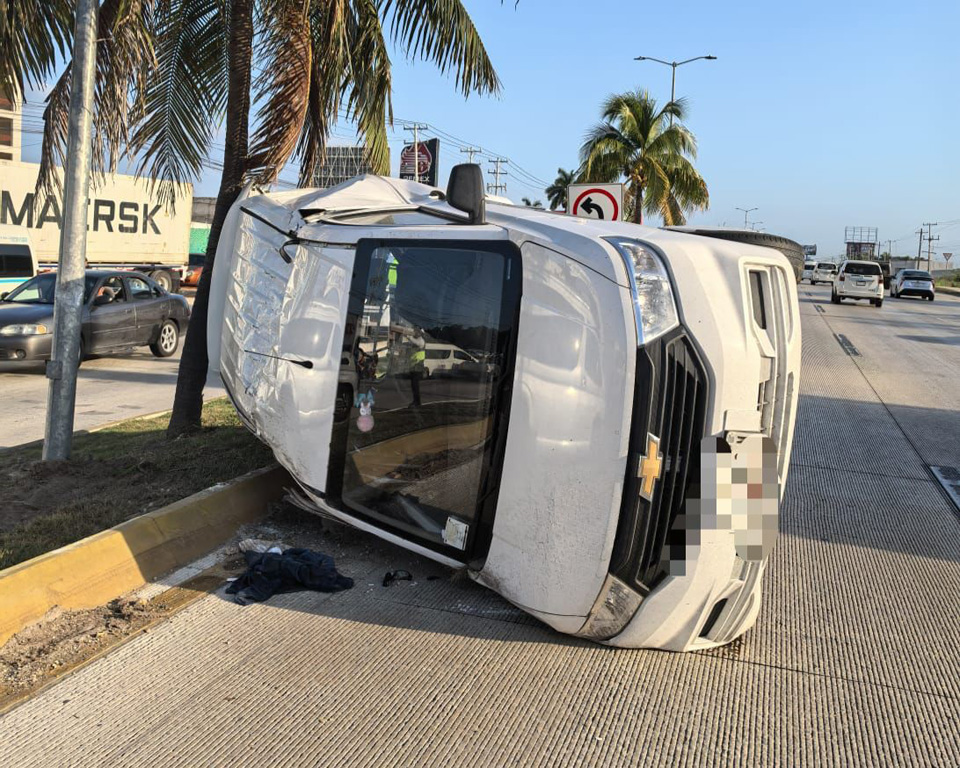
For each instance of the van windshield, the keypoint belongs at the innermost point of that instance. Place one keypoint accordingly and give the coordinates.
(417, 447)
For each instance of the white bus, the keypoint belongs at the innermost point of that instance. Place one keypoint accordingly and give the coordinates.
(18, 262)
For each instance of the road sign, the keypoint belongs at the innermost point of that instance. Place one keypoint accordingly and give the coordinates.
(595, 201)
(948, 256)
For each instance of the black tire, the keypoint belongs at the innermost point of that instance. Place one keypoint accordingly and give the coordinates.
(164, 279)
(930, 298)
(877, 302)
(834, 298)
(168, 339)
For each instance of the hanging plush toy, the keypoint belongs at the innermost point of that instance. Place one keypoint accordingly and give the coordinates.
(365, 404)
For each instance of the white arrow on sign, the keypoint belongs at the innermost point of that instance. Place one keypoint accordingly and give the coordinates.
(595, 201)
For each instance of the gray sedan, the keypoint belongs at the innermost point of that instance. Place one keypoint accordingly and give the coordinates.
(121, 310)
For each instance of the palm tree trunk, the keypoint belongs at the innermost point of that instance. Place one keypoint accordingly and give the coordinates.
(188, 400)
(638, 205)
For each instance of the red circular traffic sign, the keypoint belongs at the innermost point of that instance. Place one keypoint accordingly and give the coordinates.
(597, 191)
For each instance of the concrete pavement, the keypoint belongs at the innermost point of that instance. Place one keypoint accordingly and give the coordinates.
(853, 661)
(109, 388)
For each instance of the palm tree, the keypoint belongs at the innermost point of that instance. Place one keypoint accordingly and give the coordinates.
(637, 143)
(189, 64)
(531, 203)
(557, 192)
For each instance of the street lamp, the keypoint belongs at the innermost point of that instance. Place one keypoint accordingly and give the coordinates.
(746, 212)
(673, 65)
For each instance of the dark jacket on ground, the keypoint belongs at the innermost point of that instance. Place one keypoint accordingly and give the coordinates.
(269, 573)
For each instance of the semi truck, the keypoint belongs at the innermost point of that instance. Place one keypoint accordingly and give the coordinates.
(127, 226)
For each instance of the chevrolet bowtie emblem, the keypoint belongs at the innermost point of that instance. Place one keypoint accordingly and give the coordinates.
(650, 467)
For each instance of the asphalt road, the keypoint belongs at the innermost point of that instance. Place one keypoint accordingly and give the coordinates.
(853, 661)
(109, 388)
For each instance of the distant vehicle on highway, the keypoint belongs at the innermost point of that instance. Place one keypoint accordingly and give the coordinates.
(859, 280)
(912, 282)
(807, 274)
(121, 310)
(191, 277)
(825, 272)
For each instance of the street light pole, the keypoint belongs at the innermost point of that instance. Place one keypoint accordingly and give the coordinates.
(746, 212)
(673, 65)
(68, 301)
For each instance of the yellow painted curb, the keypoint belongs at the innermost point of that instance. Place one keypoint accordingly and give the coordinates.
(100, 568)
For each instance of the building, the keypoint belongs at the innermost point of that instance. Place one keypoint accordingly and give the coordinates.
(10, 124)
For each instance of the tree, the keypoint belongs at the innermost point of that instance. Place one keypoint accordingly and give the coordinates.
(557, 192)
(531, 203)
(636, 143)
(318, 60)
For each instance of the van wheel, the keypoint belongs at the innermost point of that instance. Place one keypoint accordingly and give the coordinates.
(877, 302)
(167, 340)
(834, 298)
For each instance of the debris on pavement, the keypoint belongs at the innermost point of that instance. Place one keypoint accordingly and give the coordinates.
(260, 545)
(399, 575)
(269, 573)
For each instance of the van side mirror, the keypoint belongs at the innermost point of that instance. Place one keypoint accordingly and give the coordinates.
(465, 191)
(4, 294)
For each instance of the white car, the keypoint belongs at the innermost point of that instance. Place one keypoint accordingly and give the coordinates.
(615, 465)
(912, 282)
(859, 280)
(808, 268)
(825, 272)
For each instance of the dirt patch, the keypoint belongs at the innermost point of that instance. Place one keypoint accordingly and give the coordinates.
(114, 475)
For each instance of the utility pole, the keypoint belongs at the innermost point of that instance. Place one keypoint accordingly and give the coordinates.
(919, 246)
(497, 173)
(930, 238)
(746, 212)
(416, 128)
(68, 302)
(471, 151)
(889, 250)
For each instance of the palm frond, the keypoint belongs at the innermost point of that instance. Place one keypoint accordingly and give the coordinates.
(443, 32)
(34, 36)
(368, 83)
(124, 57)
(185, 95)
(283, 85)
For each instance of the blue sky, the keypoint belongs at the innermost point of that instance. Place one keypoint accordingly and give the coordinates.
(821, 114)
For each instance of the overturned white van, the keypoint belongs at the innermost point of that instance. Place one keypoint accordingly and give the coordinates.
(610, 453)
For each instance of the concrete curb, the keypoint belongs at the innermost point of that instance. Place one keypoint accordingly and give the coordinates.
(100, 568)
(948, 289)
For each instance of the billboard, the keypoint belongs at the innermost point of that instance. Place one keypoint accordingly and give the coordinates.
(863, 251)
(810, 250)
(341, 163)
(427, 157)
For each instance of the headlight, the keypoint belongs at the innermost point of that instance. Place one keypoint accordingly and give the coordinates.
(23, 330)
(653, 302)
